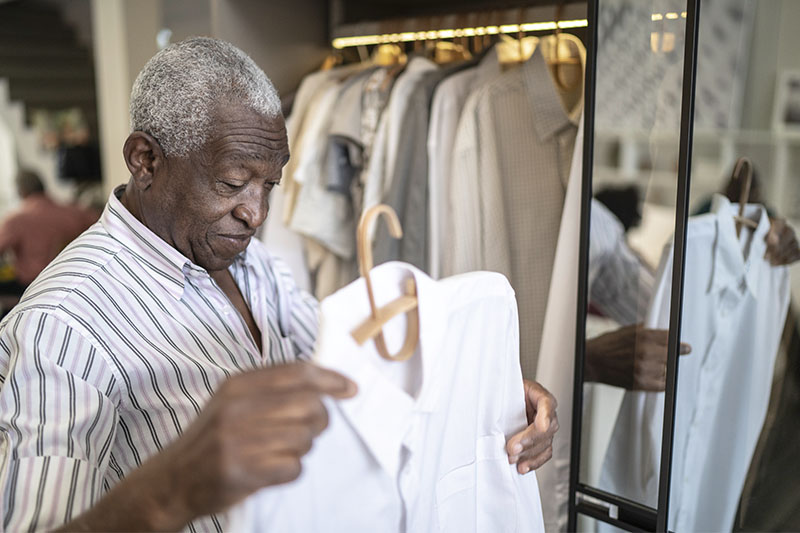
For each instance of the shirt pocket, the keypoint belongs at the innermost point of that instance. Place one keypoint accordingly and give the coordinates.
(479, 496)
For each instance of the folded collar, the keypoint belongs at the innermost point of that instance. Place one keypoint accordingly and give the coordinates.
(166, 264)
(548, 111)
(382, 413)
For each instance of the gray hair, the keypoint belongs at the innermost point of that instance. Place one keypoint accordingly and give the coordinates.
(175, 94)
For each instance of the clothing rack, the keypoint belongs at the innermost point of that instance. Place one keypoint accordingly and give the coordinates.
(467, 20)
(391, 38)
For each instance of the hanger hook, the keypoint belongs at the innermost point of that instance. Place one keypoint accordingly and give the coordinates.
(364, 242)
(406, 304)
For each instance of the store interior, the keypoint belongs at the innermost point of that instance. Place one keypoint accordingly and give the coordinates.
(505, 173)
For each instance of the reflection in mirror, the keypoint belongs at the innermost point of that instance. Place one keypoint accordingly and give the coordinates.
(728, 471)
(637, 131)
(735, 438)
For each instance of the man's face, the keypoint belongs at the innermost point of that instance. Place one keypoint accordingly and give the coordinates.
(209, 204)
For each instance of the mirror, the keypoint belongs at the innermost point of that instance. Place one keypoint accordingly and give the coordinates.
(737, 395)
(634, 182)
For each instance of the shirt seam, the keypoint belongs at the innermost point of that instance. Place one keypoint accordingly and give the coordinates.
(55, 312)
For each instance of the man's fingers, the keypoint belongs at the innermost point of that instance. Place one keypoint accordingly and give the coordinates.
(272, 469)
(523, 467)
(303, 406)
(537, 434)
(686, 348)
(297, 375)
(294, 439)
(532, 449)
(659, 337)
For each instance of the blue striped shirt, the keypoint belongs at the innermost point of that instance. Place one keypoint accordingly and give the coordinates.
(114, 350)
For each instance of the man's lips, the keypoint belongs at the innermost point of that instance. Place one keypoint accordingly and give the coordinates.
(237, 237)
(235, 242)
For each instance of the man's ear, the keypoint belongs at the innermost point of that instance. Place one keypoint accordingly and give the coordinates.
(143, 156)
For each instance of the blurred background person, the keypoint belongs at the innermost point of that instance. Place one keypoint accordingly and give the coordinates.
(34, 234)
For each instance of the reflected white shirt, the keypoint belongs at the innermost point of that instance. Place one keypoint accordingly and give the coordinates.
(734, 308)
(422, 445)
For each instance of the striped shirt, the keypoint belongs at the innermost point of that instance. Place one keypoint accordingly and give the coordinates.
(620, 285)
(112, 353)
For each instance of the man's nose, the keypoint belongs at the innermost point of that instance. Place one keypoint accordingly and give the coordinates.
(253, 211)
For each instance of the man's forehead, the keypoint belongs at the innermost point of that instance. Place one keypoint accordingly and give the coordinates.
(241, 133)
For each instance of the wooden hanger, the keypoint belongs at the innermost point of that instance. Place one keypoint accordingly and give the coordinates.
(744, 192)
(555, 60)
(372, 328)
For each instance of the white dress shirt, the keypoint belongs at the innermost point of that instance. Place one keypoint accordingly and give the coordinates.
(734, 307)
(114, 350)
(448, 102)
(421, 447)
(557, 362)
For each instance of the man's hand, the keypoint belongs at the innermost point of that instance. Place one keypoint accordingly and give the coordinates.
(533, 447)
(251, 434)
(782, 247)
(632, 357)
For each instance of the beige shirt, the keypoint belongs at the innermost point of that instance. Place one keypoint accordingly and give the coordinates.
(511, 164)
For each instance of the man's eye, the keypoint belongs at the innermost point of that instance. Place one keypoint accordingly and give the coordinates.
(233, 186)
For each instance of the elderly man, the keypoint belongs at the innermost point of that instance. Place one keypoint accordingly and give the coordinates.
(152, 376)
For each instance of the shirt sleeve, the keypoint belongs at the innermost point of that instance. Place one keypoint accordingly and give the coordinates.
(464, 247)
(57, 421)
(620, 284)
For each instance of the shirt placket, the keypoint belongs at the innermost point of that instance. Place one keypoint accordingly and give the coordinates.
(226, 312)
(409, 475)
(257, 293)
(707, 398)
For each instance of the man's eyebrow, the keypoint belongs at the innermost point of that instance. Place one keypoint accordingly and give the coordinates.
(280, 156)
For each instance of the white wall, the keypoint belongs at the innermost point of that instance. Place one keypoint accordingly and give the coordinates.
(124, 39)
(775, 47)
(286, 39)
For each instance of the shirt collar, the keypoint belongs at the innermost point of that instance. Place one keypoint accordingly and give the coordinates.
(165, 264)
(731, 268)
(550, 117)
(488, 68)
(381, 413)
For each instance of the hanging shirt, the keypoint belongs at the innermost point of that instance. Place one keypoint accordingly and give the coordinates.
(421, 447)
(114, 350)
(511, 163)
(304, 115)
(377, 180)
(734, 308)
(319, 213)
(448, 102)
(408, 193)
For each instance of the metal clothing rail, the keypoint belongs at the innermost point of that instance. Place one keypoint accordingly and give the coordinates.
(411, 36)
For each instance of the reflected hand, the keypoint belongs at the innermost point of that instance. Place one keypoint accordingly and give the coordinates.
(633, 357)
(533, 446)
(782, 246)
